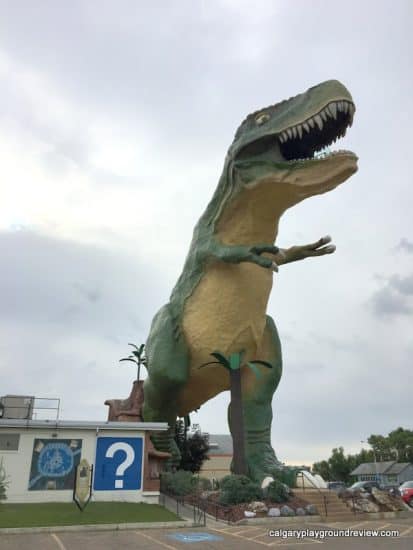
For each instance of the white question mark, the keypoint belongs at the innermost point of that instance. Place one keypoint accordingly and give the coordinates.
(130, 457)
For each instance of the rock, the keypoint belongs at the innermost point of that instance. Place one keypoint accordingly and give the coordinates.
(311, 510)
(257, 506)
(249, 514)
(287, 511)
(266, 481)
(392, 503)
(287, 488)
(364, 505)
(274, 512)
(300, 511)
(205, 495)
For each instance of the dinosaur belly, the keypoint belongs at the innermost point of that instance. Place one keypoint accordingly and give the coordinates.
(226, 312)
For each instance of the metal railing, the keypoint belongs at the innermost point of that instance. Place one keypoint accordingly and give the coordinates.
(29, 407)
(185, 507)
(323, 495)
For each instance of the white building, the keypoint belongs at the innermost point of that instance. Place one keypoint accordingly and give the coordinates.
(40, 458)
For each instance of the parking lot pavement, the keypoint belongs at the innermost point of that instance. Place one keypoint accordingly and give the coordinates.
(217, 536)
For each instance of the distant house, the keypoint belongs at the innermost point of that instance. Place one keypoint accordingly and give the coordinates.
(385, 473)
(220, 456)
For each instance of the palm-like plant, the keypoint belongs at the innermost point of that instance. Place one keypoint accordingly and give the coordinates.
(138, 357)
(233, 364)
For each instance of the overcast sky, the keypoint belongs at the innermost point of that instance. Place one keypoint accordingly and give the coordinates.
(115, 118)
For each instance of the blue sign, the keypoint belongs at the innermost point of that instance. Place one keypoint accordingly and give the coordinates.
(54, 463)
(194, 537)
(118, 463)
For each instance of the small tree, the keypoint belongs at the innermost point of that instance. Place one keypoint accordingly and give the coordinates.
(138, 357)
(233, 364)
(193, 449)
(4, 482)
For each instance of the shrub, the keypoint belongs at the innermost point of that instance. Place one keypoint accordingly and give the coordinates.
(179, 483)
(202, 483)
(3, 481)
(276, 492)
(285, 475)
(236, 489)
(194, 448)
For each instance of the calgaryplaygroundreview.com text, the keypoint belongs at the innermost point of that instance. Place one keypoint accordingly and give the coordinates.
(326, 533)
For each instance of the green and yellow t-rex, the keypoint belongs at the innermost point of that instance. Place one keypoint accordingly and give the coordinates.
(220, 299)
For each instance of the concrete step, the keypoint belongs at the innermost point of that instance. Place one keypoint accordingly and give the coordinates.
(327, 503)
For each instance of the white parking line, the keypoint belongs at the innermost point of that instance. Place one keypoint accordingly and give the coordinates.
(248, 530)
(403, 533)
(59, 542)
(157, 541)
(284, 542)
(239, 536)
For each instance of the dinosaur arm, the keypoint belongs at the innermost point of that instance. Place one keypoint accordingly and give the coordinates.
(300, 252)
(241, 253)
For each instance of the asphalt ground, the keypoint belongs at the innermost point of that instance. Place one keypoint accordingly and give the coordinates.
(221, 537)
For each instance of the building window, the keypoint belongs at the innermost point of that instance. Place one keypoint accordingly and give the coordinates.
(9, 442)
(368, 477)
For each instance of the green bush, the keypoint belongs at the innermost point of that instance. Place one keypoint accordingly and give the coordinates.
(3, 481)
(202, 483)
(276, 492)
(285, 475)
(179, 483)
(236, 489)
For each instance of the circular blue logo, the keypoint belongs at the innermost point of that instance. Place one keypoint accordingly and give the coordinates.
(55, 460)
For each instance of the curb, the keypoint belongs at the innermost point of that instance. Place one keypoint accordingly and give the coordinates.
(280, 520)
(98, 527)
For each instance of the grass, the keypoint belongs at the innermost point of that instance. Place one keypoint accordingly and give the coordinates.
(66, 513)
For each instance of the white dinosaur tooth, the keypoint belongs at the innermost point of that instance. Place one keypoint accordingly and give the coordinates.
(333, 109)
(323, 115)
(311, 122)
(294, 130)
(290, 133)
(306, 127)
(300, 130)
(285, 136)
(345, 106)
(280, 137)
(319, 121)
(340, 105)
(351, 109)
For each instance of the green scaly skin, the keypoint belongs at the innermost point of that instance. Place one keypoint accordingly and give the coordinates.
(267, 147)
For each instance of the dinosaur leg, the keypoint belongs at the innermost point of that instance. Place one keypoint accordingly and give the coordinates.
(168, 365)
(257, 394)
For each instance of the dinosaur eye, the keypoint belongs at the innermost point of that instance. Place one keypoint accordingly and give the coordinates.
(260, 119)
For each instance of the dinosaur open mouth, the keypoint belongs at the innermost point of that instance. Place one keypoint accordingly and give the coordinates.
(318, 131)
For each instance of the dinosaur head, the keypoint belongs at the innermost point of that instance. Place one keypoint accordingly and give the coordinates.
(283, 142)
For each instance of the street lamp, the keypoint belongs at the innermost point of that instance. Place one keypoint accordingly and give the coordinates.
(375, 460)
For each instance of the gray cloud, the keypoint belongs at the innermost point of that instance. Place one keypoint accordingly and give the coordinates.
(392, 298)
(68, 312)
(405, 245)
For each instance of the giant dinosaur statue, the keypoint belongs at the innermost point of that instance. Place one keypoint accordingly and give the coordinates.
(220, 299)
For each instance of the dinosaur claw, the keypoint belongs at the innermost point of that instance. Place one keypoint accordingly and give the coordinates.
(274, 267)
(326, 239)
(330, 249)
